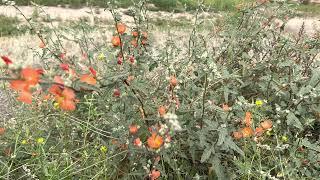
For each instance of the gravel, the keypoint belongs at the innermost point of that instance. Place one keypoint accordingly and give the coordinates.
(5, 107)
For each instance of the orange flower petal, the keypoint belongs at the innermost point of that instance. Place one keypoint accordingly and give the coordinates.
(115, 41)
(2, 131)
(133, 129)
(31, 76)
(225, 107)
(173, 81)
(67, 105)
(121, 28)
(247, 132)
(135, 34)
(89, 79)
(237, 135)
(58, 79)
(55, 90)
(248, 118)
(259, 131)
(68, 93)
(162, 111)
(19, 85)
(267, 124)
(25, 96)
(64, 67)
(155, 141)
(155, 174)
(137, 142)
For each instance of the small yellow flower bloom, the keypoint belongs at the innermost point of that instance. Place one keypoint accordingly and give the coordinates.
(103, 149)
(40, 140)
(284, 138)
(259, 103)
(56, 105)
(101, 57)
(24, 142)
(269, 133)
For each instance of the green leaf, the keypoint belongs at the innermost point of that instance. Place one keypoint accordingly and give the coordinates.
(233, 146)
(218, 168)
(206, 154)
(305, 142)
(294, 121)
(222, 136)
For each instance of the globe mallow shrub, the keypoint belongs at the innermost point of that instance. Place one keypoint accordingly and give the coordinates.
(245, 109)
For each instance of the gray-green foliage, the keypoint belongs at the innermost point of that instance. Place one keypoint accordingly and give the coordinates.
(247, 57)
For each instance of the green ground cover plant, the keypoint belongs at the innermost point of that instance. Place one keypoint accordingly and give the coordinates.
(238, 102)
(11, 26)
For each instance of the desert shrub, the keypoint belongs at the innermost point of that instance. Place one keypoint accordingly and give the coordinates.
(166, 5)
(10, 26)
(238, 102)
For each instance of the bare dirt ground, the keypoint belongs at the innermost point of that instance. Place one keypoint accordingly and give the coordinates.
(312, 24)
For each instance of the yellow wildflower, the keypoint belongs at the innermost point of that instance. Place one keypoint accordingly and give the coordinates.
(40, 140)
(24, 142)
(101, 57)
(259, 103)
(103, 149)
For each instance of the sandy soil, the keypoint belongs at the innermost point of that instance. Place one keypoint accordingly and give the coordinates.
(66, 14)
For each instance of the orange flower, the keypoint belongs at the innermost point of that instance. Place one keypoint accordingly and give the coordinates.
(155, 174)
(116, 41)
(42, 45)
(67, 100)
(58, 79)
(162, 111)
(259, 131)
(137, 142)
(62, 55)
(25, 96)
(31, 76)
(155, 141)
(121, 28)
(173, 81)
(133, 129)
(2, 131)
(46, 97)
(19, 85)
(225, 107)
(134, 42)
(135, 34)
(130, 78)
(267, 124)
(247, 132)
(114, 142)
(144, 35)
(89, 79)
(64, 66)
(247, 119)
(237, 135)
(144, 42)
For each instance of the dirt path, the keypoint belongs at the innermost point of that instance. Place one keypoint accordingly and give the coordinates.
(312, 24)
(4, 107)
